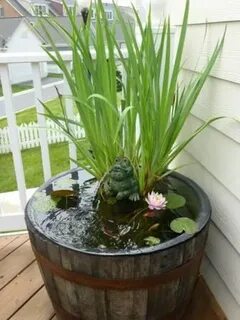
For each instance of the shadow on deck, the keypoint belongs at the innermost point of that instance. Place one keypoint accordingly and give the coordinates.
(23, 296)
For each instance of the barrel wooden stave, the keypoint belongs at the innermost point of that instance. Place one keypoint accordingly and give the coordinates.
(96, 304)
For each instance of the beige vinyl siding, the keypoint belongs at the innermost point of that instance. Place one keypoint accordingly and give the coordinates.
(212, 11)
(228, 66)
(214, 156)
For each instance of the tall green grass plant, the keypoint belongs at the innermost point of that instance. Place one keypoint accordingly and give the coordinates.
(146, 125)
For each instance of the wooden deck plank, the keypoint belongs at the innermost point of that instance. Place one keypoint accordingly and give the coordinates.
(203, 304)
(19, 290)
(39, 306)
(13, 245)
(13, 264)
(5, 241)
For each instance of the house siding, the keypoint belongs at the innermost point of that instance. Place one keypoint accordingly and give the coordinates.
(214, 156)
(24, 40)
(8, 10)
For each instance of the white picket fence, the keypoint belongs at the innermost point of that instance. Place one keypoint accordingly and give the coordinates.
(29, 135)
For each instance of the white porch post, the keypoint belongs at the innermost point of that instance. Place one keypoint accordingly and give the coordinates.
(70, 114)
(13, 133)
(41, 120)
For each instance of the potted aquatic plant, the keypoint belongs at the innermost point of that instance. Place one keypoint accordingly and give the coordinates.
(122, 237)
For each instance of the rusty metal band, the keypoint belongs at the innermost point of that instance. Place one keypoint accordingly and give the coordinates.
(83, 279)
(62, 314)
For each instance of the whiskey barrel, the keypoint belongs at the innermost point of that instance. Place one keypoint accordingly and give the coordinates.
(151, 283)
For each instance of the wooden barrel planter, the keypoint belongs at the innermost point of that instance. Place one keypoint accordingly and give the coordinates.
(151, 283)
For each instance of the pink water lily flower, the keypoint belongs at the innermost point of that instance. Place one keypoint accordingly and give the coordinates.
(156, 201)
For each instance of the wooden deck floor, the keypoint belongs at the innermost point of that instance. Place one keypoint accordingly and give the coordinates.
(23, 296)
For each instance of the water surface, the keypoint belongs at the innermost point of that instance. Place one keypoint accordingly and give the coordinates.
(69, 211)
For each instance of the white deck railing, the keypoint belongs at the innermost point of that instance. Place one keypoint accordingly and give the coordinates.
(35, 59)
(29, 135)
(14, 219)
(25, 99)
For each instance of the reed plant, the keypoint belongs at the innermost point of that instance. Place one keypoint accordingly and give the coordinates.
(146, 124)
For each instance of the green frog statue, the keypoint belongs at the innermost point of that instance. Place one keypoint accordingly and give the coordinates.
(120, 182)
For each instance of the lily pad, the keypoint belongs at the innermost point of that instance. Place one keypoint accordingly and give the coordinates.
(64, 199)
(175, 201)
(184, 224)
(152, 241)
(62, 193)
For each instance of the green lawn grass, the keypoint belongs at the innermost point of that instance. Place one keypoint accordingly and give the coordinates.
(32, 160)
(16, 88)
(32, 163)
(55, 75)
(32, 157)
(30, 114)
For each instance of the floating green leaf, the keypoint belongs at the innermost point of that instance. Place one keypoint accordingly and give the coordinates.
(152, 241)
(175, 201)
(63, 193)
(184, 224)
